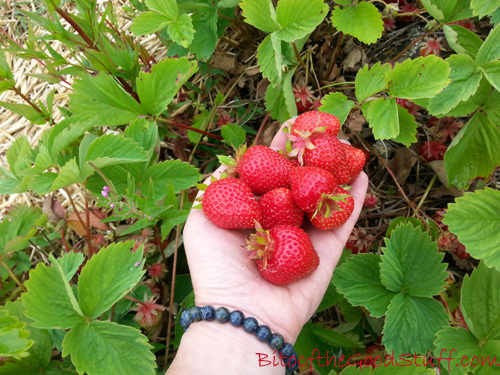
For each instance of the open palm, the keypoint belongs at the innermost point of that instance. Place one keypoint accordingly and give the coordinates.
(223, 276)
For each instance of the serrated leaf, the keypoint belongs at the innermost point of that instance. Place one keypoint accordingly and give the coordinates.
(464, 83)
(70, 263)
(495, 17)
(382, 116)
(171, 219)
(280, 101)
(103, 97)
(145, 133)
(18, 154)
(411, 263)
(337, 104)
(480, 301)
(481, 8)
(370, 81)
(490, 50)
(474, 102)
(206, 37)
(423, 77)
(270, 59)
(200, 121)
(363, 21)
(411, 324)
(473, 152)
(492, 107)
(104, 348)
(14, 340)
(492, 73)
(407, 127)
(180, 174)
(158, 88)
(299, 18)
(181, 30)
(461, 345)
(50, 302)
(234, 135)
(475, 219)
(69, 174)
(108, 276)
(27, 111)
(433, 9)
(166, 7)
(358, 279)
(148, 23)
(462, 40)
(261, 14)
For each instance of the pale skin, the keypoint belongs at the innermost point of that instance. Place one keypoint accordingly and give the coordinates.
(223, 276)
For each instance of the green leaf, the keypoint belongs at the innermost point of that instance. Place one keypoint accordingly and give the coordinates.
(492, 73)
(206, 37)
(330, 298)
(280, 101)
(181, 30)
(462, 40)
(473, 152)
(103, 97)
(261, 14)
(68, 175)
(14, 340)
(171, 219)
(148, 23)
(490, 50)
(234, 135)
(495, 17)
(411, 324)
(50, 301)
(27, 111)
(369, 81)
(363, 21)
(104, 348)
(166, 7)
(299, 18)
(337, 104)
(407, 127)
(475, 219)
(474, 102)
(70, 263)
(480, 301)
(481, 8)
(158, 88)
(108, 276)
(5, 72)
(433, 9)
(18, 225)
(491, 107)
(269, 58)
(383, 117)
(464, 83)
(200, 121)
(461, 345)
(358, 279)
(333, 338)
(18, 155)
(423, 77)
(411, 263)
(145, 133)
(180, 174)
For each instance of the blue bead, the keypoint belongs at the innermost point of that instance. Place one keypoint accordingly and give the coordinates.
(277, 341)
(250, 325)
(287, 350)
(236, 318)
(293, 362)
(264, 333)
(222, 315)
(195, 313)
(208, 313)
(185, 319)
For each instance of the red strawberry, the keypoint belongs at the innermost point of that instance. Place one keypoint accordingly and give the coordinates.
(149, 313)
(328, 153)
(229, 203)
(278, 208)
(432, 150)
(355, 160)
(284, 254)
(264, 169)
(309, 122)
(333, 210)
(309, 184)
(303, 97)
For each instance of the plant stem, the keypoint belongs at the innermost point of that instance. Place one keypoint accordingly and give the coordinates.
(334, 58)
(426, 192)
(171, 122)
(264, 122)
(87, 227)
(414, 42)
(77, 28)
(87, 214)
(26, 99)
(13, 275)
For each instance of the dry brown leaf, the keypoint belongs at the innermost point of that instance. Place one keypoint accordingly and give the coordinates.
(438, 167)
(53, 208)
(77, 226)
(402, 163)
(225, 63)
(355, 121)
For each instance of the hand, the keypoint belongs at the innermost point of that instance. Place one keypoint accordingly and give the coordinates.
(223, 276)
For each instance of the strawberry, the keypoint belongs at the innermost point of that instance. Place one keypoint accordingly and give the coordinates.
(264, 169)
(149, 313)
(355, 160)
(229, 203)
(432, 150)
(309, 122)
(303, 97)
(284, 254)
(328, 153)
(309, 184)
(333, 210)
(278, 208)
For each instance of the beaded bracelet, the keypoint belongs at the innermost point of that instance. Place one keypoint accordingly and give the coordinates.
(250, 325)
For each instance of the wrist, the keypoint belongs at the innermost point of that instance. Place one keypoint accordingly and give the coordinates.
(206, 347)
